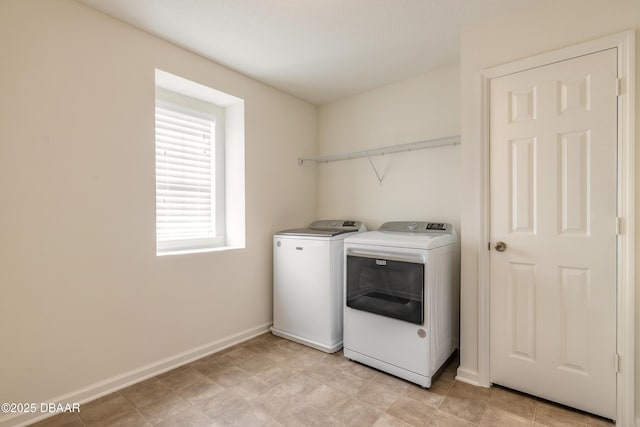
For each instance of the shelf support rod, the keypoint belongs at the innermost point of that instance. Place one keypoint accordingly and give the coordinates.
(380, 178)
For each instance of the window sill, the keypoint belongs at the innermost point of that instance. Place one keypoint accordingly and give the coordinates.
(197, 251)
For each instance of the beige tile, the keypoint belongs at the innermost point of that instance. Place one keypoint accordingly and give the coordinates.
(290, 345)
(319, 371)
(510, 401)
(128, 419)
(441, 387)
(230, 377)
(280, 353)
(258, 346)
(447, 375)
(387, 420)
(64, 419)
(465, 406)
(311, 355)
(339, 353)
(433, 396)
(210, 364)
(252, 387)
(342, 381)
(325, 398)
(411, 411)
(164, 408)
(460, 389)
(300, 361)
(146, 392)
(494, 417)
(256, 364)
(201, 390)
(553, 415)
(270, 338)
(310, 351)
(300, 414)
(355, 413)
(180, 378)
(336, 361)
(274, 401)
(377, 395)
(105, 408)
(230, 408)
(359, 370)
(241, 419)
(391, 382)
(299, 384)
(275, 382)
(238, 354)
(189, 418)
(276, 374)
(443, 419)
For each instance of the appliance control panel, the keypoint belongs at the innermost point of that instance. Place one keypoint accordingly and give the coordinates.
(418, 227)
(337, 224)
(436, 226)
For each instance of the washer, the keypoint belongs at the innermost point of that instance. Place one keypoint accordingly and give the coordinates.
(307, 283)
(401, 291)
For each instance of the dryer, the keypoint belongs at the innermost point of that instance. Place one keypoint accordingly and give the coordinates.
(401, 293)
(307, 283)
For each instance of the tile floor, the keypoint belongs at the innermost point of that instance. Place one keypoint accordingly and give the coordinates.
(268, 381)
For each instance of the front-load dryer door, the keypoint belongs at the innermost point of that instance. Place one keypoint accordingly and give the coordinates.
(387, 287)
(385, 316)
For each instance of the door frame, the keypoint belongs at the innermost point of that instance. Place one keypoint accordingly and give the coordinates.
(625, 338)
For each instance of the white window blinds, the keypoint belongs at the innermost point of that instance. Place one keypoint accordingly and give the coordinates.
(185, 159)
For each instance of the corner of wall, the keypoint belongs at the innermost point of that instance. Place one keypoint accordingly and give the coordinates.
(467, 376)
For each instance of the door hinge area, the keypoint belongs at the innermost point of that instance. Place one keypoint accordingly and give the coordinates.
(618, 226)
(617, 363)
(619, 87)
(488, 246)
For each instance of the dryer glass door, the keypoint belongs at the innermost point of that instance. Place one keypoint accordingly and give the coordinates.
(386, 287)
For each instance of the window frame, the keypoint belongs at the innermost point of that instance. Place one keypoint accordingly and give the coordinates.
(216, 114)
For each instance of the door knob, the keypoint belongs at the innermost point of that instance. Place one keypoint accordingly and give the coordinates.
(501, 246)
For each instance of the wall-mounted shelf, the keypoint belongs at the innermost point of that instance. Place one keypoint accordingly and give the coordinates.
(417, 145)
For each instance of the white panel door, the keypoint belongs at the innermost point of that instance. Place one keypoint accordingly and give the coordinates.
(553, 203)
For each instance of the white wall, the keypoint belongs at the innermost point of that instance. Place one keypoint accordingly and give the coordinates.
(549, 25)
(82, 295)
(417, 185)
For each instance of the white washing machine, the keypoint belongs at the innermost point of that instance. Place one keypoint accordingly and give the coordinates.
(307, 283)
(401, 287)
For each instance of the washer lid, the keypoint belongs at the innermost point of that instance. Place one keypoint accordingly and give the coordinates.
(325, 228)
(310, 232)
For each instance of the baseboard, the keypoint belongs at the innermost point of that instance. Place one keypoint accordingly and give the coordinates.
(467, 376)
(126, 379)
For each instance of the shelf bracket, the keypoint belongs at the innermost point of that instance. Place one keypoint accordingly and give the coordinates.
(380, 178)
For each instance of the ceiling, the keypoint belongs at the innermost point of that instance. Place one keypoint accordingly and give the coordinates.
(317, 50)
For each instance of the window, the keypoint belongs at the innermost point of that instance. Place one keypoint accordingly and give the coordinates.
(191, 172)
